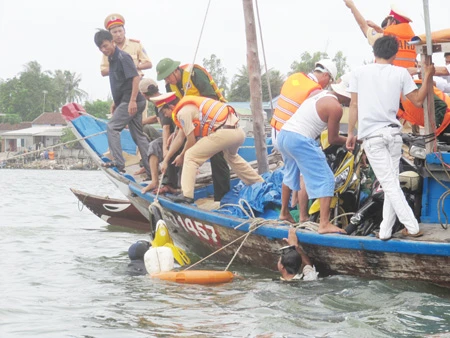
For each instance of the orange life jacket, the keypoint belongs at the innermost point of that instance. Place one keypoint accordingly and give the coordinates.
(414, 114)
(188, 85)
(295, 90)
(211, 112)
(406, 55)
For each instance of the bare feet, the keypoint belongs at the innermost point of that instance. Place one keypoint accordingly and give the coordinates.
(165, 189)
(329, 228)
(148, 188)
(287, 217)
(140, 171)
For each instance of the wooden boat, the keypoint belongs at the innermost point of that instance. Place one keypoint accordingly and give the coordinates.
(200, 229)
(117, 212)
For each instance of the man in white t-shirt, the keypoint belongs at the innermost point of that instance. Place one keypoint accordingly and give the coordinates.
(375, 91)
(443, 75)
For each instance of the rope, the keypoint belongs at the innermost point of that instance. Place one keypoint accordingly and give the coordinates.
(54, 146)
(264, 56)
(196, 49)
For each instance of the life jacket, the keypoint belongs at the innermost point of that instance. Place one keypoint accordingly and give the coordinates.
(211, 112)
(189, 87)
(414, 114)
(406, 55)
(295, 90)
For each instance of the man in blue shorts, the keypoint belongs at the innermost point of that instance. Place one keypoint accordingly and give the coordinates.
(301, 153)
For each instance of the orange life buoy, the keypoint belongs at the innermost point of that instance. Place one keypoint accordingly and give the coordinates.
(195, 276)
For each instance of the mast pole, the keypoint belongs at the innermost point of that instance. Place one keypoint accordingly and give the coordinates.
(426, 59)
(254, 72)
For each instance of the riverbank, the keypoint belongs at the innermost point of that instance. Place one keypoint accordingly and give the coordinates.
(69, 159)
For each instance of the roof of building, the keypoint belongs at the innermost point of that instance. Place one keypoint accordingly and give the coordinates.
(50, 119)
(8, 126)
(36, 131)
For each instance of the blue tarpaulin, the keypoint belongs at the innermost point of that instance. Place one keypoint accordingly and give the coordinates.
(262, 197)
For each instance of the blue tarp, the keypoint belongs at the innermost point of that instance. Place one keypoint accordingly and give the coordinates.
(262, 197)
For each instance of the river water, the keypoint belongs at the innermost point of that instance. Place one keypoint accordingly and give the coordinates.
(63, 274)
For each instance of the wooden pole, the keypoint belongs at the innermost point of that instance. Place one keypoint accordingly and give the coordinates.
(254, 73)
(426, 59)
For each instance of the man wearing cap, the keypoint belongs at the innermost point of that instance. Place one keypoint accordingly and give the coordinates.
(375, 89)
(396, 24)
(195, 80)
(128, 102)
(208, 126)
(294, 92)
(159, 146)
(301, 153)
(115, 24)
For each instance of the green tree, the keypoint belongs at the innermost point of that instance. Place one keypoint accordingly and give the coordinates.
(67, 136)
(240, 87)
(67, 87)
(276, 80)
(98, 108)
(307, 62)
(34, 91)
(214, 66)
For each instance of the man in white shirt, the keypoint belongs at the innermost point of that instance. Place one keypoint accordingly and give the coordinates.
(375, 91)
(443, 75)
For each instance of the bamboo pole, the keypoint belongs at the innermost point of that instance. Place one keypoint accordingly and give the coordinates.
(254, 72)
(426, 59)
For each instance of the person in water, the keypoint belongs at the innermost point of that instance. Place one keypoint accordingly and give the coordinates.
(136, 253)
(294, 264)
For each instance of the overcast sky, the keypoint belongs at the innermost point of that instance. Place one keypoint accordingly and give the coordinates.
(59, 33)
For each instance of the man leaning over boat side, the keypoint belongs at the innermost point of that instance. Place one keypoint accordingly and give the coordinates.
(159, 147)
(301, 153)
(217, 131)
(294, 92)
(395, 24)
(128, 102)
(293, 260)
(195, 80)
(375, 89)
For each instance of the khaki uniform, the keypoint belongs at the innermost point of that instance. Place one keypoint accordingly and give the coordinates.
(135, 49)
(373, 35)
(223, 139)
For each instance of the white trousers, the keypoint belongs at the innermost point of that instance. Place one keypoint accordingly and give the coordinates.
(384, 149)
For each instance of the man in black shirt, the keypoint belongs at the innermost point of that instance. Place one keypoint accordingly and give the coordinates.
(128, 102)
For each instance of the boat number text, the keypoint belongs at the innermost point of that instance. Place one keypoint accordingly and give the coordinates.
(202, 231)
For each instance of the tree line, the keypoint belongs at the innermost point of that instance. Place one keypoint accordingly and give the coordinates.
(34, 91)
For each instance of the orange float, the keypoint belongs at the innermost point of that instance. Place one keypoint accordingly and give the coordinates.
(195, 276)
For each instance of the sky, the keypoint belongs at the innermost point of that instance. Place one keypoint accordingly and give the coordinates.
(60, 34)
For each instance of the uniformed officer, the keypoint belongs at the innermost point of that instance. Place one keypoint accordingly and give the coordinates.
(195, 80)
(115, 24)
(209, 127)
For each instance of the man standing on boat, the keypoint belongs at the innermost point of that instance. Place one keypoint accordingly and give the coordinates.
(208, 126)
(396, 24)
(128, 104)
(294, 92)
(195, 80)
(114, 23)
(301, 153)
(375, 89)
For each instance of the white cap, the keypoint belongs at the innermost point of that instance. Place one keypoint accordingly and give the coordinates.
(341, 88)
(326, 65)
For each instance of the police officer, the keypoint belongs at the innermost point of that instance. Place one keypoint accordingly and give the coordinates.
(195, 80)
(115, 24)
